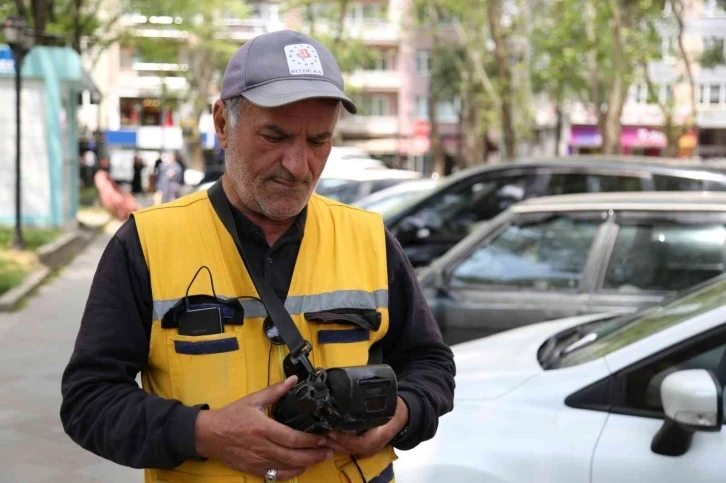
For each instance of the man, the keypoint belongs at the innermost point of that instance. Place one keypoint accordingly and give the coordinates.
(170, 179)
(344, 280)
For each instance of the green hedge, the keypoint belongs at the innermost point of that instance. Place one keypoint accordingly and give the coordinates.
(11, 274)
(32, 237)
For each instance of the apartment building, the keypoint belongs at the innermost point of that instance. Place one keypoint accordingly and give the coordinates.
(143, 98)
(642, 121)
(143, 106)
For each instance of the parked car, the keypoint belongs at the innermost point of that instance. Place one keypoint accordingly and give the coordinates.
(350, 185)
(560, 256)
(389, 198)
(430, 226)
(595, 398)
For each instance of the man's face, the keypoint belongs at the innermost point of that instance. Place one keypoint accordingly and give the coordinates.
(274, 156)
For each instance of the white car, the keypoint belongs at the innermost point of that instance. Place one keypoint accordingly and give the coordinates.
(596, 399)
(396, 196)
(350, 185)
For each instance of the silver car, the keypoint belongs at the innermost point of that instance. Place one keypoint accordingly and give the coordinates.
(561, 256)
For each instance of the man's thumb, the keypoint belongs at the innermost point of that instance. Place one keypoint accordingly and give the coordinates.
(270, 395)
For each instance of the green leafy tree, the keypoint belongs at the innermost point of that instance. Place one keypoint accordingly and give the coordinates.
(557, 56)
(82, 24)
(206, 49)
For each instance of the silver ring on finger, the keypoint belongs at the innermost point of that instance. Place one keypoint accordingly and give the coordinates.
(271, 475)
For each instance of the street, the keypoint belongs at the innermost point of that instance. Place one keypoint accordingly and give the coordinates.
(35, 345)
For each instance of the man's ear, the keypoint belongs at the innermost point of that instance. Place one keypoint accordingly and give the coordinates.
(221, 126)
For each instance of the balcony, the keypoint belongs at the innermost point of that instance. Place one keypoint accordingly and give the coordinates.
(712, 117)
(374, 80)
(133, 85)
(377, 32)
(369, 125)
(243, 30)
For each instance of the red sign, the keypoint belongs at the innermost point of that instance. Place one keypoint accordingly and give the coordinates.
(421, 128)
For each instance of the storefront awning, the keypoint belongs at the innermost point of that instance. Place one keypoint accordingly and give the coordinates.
(630, 137)
(585, 136)
(642, 137)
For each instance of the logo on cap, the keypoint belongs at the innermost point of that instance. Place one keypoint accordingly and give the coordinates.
(302, 59)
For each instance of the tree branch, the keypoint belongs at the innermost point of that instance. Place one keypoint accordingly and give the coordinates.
(592, 62)
(21, 8)
(679, 14)
(478, 62)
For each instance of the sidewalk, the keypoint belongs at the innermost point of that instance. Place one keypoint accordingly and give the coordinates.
(35, 345)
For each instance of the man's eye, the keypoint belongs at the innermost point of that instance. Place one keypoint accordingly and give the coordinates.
(317, 144)
(272, 139)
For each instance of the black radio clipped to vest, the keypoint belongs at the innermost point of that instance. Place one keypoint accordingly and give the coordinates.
(354, 398)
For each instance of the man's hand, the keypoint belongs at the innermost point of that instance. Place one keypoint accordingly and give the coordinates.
(372, 441)
(244, 438)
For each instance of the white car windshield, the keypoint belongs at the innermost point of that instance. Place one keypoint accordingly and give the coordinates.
(618, 333)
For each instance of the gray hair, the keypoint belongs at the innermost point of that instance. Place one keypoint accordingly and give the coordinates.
(235, 106)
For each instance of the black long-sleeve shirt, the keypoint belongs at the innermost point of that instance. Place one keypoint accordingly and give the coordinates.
(105, 411)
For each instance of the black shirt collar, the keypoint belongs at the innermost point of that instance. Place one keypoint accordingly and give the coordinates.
(249, 230)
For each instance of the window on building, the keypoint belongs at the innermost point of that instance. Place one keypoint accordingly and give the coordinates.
(448, 111)
(421, 108)
(359, 13)
(714, 94)
(381, 61)
(669, 45)
(127, 57)
(638, 93)
(372, 105)
(713, 8)
(665, 94)
(423, 62)
(714, 51)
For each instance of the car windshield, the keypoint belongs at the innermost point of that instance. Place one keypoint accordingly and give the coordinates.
(393, 202)
(623, 331)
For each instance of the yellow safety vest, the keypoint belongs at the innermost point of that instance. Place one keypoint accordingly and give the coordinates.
(341, 264)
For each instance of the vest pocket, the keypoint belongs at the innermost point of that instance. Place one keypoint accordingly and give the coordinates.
(206, 369)
(342, 337)
(376, 469)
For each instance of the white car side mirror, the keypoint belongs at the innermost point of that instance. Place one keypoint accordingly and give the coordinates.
(692, 401)
(693, 398)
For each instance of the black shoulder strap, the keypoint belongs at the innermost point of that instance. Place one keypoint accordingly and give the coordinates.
(275, 309)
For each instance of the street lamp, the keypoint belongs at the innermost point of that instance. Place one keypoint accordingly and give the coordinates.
(20, 39)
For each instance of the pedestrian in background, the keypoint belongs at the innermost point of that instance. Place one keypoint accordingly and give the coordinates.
(170, 180)
(136, 184)
(180, 161)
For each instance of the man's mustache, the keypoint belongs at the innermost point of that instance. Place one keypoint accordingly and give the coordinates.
(287, 177)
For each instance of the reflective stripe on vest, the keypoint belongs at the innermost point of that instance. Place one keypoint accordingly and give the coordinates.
(300, 304)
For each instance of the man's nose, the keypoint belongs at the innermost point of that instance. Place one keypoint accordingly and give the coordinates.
(296, 159)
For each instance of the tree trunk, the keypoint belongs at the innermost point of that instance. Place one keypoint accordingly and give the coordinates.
(41, 10)
(201, 82)
(77, 26)
(558, 126)
(591, 15)
(475, 141)
(21, 8)
(505, 78)
(437, 145)
(618, 88)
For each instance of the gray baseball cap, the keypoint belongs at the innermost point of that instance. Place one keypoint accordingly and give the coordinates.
(283, 67)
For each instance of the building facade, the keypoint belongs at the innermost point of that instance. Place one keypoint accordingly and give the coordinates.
(643, 121)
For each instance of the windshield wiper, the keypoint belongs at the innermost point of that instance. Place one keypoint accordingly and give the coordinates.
(586, 340)
(567, 341)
